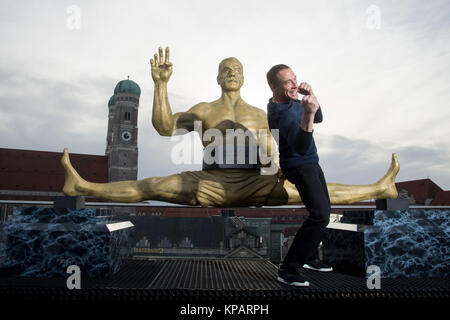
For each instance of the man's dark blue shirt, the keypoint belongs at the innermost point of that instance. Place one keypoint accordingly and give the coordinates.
(296, 146)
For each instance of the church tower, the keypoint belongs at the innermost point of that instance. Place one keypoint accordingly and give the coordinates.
(121, 139)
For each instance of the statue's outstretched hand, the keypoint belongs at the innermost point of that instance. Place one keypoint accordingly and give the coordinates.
(161, 67)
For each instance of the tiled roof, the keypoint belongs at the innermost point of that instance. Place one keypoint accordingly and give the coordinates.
(217, 280)
(27, 170)
(441, 198)
(422, 189)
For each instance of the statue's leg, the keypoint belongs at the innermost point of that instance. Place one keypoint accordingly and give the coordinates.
(382, 189)
(213, 188)
(342, 193)
(189, 188)
(178, 188)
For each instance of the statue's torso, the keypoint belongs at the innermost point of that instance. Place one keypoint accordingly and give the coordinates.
(219, 115)
(239, 126)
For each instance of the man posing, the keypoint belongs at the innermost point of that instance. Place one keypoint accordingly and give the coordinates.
(299, 163)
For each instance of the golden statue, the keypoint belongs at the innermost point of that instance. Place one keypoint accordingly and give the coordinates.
(224, 187)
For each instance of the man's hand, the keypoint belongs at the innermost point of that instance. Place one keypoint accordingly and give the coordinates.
(305, 89)
(161, 67)
(309, 102)
(310, 105)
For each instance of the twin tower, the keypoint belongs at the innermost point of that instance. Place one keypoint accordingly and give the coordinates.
(121, 139)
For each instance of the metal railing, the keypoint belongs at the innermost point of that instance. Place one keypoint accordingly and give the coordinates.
(166, 204)
(4, 204)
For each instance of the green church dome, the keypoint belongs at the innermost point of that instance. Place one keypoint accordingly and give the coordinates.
(111, 101)
(127, 86)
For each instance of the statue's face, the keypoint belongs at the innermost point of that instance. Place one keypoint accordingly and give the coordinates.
(230, 76)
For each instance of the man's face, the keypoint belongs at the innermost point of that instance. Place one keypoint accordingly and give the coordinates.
(287, 87)
(230, 76)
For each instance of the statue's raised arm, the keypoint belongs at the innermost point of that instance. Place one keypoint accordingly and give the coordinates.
(164, 121)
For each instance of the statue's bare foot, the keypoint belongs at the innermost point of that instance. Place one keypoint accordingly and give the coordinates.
(73, 179)
(387, 183)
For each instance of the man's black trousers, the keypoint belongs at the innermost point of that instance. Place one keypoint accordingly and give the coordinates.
(310, 182)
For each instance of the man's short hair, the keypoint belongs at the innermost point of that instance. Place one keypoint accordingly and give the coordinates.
(272, 74)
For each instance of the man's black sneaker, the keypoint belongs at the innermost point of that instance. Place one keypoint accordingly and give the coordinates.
(317, 265)
(292, 279)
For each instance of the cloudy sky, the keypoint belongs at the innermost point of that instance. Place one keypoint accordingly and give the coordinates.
(380, 69)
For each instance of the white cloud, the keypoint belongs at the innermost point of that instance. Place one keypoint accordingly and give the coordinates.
(360, 161)
(382, 89)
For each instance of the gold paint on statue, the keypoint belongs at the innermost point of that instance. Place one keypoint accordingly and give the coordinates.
(216, 187)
